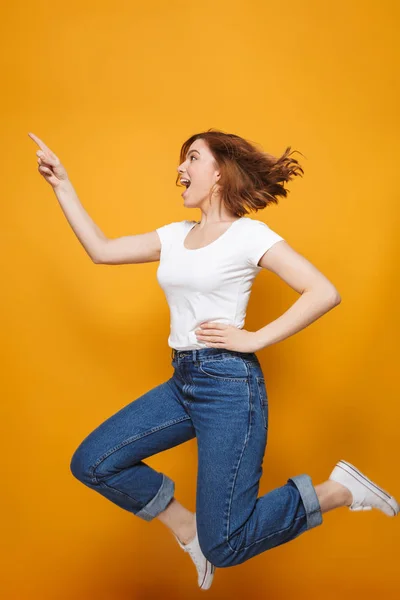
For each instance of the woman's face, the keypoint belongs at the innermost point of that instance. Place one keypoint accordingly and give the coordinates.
(201, 170)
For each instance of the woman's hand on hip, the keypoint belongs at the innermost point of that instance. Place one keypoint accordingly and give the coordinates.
(221, 335)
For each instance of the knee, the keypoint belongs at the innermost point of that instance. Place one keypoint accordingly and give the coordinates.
(80, 466)
(218, 552)
(220, 557)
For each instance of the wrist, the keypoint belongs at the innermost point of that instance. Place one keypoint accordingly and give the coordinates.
(259, 340)
(65, 184)
(64, 189)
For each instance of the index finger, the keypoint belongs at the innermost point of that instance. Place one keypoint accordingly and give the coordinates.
(39, 142)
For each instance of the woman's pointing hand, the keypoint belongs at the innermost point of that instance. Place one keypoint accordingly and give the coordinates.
(49, 164)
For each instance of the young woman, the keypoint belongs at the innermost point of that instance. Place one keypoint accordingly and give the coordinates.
(217, 392)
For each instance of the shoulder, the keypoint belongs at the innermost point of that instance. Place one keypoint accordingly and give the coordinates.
(255, 228)
(259, 239)
(255, 223)
(258, 227)
(173, 225)
(170, 228)
(171, 232)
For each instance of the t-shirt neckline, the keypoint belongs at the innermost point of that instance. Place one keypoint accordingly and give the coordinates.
(211, 243)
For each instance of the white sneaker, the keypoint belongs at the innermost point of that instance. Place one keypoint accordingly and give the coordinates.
(204, 568)
(366, 494)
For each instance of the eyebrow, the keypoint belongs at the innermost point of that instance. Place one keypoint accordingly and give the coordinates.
(191, 152)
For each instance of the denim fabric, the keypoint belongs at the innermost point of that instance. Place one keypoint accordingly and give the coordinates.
(220, 397)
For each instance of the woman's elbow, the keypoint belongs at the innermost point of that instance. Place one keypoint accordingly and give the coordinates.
(335, 297)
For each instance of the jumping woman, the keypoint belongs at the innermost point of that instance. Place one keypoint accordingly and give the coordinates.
(217, 392)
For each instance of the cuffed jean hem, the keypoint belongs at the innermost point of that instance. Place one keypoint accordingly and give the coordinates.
(310, 499)
(160, 500)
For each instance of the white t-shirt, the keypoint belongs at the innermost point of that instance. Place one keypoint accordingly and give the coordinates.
(212, 283)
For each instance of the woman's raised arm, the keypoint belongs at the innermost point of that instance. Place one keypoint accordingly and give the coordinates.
(139, 248)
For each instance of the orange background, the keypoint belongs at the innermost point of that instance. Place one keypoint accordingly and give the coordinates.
(114, 90)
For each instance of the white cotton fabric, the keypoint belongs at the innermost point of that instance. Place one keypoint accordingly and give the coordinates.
(212, 283)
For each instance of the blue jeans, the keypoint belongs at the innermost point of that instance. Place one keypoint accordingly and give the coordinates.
(218, 396)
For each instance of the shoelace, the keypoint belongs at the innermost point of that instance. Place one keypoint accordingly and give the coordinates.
(360, 505)
(192, 554)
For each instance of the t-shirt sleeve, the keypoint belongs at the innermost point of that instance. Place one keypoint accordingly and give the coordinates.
(167, 234)
(260, 239)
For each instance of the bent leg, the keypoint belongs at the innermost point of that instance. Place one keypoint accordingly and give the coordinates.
(110, 459)
(233, 523)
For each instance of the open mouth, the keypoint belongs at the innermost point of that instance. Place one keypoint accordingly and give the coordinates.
(187, 183)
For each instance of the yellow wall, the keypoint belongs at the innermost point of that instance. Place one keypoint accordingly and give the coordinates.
(114, 89)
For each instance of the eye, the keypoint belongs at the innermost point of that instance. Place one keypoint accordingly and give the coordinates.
(193, 156)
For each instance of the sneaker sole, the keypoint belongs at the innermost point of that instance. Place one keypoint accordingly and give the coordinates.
(205, 585)
(373, 487)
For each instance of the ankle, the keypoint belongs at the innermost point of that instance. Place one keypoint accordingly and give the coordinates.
(332, 494)
(342, 492)
(186, 531)
(180, 520)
